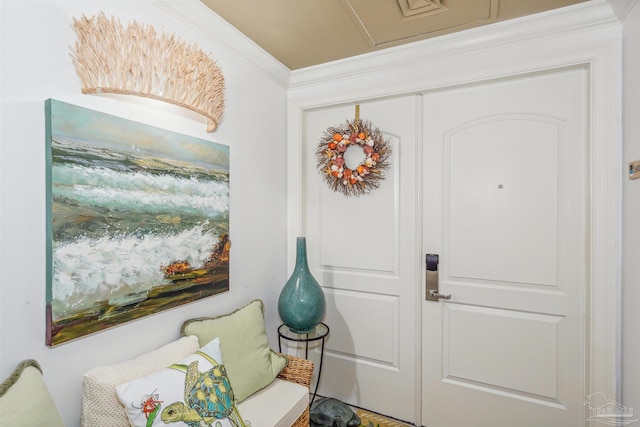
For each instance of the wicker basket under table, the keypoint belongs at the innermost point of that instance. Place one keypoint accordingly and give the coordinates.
(298, 371)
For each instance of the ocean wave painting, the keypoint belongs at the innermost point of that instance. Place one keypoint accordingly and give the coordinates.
(138, 220)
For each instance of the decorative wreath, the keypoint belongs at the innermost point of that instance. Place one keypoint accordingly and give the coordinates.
(349, 179)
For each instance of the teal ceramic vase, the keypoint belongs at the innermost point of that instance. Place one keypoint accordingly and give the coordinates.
(301, 304)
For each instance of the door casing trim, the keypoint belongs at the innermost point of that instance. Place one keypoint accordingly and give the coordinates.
(596, 47)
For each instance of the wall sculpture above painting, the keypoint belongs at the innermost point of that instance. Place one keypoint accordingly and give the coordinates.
(138, 60)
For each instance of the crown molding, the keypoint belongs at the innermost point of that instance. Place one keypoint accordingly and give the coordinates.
(545, 25)
(622, 7)
(203, 20)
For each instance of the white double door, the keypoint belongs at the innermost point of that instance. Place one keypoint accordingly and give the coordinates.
(493, 178)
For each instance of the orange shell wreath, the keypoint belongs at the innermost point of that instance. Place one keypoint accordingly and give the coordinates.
(361, 179)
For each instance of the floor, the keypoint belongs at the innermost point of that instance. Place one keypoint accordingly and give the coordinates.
(370, 419)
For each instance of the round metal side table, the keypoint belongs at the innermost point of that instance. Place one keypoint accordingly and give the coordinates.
(320, 333)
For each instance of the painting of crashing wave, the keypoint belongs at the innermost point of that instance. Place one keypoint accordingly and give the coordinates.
(138, 220)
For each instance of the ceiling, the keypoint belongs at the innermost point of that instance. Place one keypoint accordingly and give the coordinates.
(303, 33)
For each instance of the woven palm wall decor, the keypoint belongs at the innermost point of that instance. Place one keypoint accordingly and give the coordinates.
(137, 60)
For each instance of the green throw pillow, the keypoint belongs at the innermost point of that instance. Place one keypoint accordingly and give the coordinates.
(251, 364)
(25, 400)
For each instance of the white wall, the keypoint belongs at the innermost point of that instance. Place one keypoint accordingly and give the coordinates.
(35, 65)
(631, 214)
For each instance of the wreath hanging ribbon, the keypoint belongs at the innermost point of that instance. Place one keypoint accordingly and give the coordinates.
(353, 180)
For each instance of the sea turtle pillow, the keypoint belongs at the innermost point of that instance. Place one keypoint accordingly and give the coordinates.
(195, 392)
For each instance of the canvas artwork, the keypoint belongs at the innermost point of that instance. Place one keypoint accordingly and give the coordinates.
(138, 220)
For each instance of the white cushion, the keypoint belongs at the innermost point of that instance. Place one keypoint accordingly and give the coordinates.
(277, 405)
(100, 405)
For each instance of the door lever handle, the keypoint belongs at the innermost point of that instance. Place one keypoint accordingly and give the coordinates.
(432, 280)
(435, 295)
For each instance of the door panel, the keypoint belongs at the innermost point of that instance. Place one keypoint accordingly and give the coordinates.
(526, 339)
(505, 189)
(370, 219)
(352, 307)
(501, 240)
(365, 253)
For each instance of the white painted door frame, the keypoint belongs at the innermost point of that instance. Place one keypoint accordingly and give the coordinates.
(587, 35)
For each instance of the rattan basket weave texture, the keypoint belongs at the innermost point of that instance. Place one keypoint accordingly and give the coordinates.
(298, 371)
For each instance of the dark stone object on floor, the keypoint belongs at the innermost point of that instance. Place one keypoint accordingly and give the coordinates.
(327, 411)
